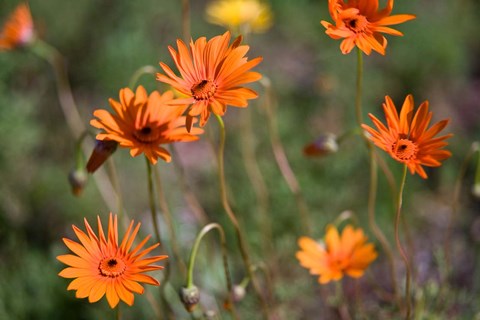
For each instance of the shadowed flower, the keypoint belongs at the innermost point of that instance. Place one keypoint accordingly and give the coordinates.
(142, 123)
(211, 76)
(236, 15)
(99, 266)
(360, 23)
(347, 253)
(406, 137)
(101, 152)
(18, 30)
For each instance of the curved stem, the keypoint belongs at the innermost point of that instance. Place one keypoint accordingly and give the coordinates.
(231, 215)
(399, 244)
(282, 160)
(139, 73)
(168, 219)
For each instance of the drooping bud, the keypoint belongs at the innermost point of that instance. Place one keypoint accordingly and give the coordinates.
(190, 296)
(77, 179)
(102, 150)
(238, 292)
(322, 146)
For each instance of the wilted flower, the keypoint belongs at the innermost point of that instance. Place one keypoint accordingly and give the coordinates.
(406, 137)
(211, 76)
(143, 122)
(323, 145)
(99, 266)
(240, 15)
(190, 297)
(360, 23)
(101, 152)
(346, 254)
(77, 179)
(18, 30)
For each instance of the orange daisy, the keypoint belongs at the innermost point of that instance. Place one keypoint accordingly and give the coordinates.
(360, 23)
(143, 122)
(347, 253)
(18, 30)
(101, 267)
(211, 75)
(406, 137)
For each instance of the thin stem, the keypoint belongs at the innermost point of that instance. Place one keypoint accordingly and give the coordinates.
(358, 97)
(112, 171)
(117, 315)
(139, 73)
(186, 20)
(282, 160)
(399, 244)
(223, 244)
(168, 219)
(231, 215)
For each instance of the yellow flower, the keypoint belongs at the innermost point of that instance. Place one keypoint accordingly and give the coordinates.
(244, 15)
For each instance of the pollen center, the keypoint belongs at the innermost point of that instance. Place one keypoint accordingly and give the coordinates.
(112, 267)
(145, 135)
(204, 90)
(357, 24)
(404, 149)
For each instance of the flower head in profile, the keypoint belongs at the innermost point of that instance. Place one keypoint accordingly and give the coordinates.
(360, 23)
(245, 15)
(212, 75)
(143, 122)
(99, 266)
(407, 137)
(348, 253)
(18, 30)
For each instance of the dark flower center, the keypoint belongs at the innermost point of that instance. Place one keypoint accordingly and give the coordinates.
(204, 90)
(357, 24)
(112, 267)
(146, 134)
(404, 150)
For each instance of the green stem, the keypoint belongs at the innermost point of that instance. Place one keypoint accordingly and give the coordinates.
(358, 97)
(186, 20)
(169, 220)
(231, 215)
(399, 244)
(139, 73)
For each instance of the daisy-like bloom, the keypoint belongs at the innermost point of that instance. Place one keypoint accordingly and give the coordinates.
(248, 15)
(211, 76)
(143, 122)
(18, 30)
(99, 266)
(360, 23)
(348, 253)
(406, 137)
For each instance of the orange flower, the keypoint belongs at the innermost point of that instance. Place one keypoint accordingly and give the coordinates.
(346, 254)
(18, 30)
(360, 23)
(99, 266)
(211, 75)
(406, 137)
(143, 122)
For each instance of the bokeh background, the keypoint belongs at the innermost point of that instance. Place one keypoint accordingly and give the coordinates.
(106, 41)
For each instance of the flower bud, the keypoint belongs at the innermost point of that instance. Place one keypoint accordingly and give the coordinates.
(102, 150)
(77, 179)
(238, 293)
(322, 146)
(190, 297)
(476, 190)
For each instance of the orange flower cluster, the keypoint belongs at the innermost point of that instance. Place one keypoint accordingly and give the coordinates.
(18, 30)
(406, 137)
(99, 266)
(347, 253)
(143, 122)
(360, 23)
(211, 76)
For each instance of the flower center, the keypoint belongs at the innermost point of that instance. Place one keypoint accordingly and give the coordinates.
(112, 267)
(404, 149)
(357, 24)
(145, 135)
(204, 90)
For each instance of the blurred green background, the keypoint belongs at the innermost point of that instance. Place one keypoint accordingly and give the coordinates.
(105, 41)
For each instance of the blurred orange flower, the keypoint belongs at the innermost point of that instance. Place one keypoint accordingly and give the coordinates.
(18, 30)
(347, 253)
(360, 23)
(211, 76)
(142, 122)
(406, 137)
(100, 267)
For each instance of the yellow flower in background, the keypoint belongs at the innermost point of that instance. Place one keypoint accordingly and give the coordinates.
(348, 253)
(240, 15)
